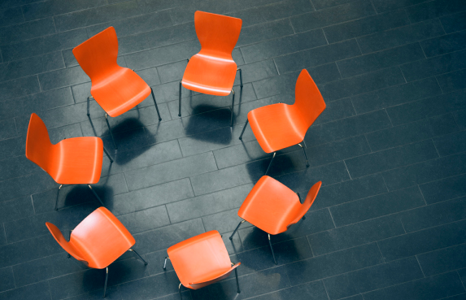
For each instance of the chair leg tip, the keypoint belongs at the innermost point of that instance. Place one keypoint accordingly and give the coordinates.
(179, 115)
(160, 119)
(230, 238)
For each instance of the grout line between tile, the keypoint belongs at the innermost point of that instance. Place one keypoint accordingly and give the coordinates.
(380, 251)
(325, 288)
(435, 146)
(462, 282)
(291, 24)
(420, 191)
(331, 216)
(32, 203)
(347, 170)
(420, 267)
(276, 67)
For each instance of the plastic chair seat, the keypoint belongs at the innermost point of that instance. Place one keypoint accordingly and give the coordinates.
(100, 239)
(210, 75)
(116, 100)
(275, 127)
(270, 206)
(81, 161)
(200, 259)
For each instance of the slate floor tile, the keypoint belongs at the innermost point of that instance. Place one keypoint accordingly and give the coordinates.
(38, 291)
(365, 26)
(443, 189)
(428, 288)
(434, 215)
(443, 260)
(394, 95)
(453, 22)
(373, 278)
(416, 242)
(383, 59)
(376, 206)
(333, 15)
(433, 9)
(391, 158)
(444, 44)
(400, 36)
(334, 264)
(424, 172)
(357, 234)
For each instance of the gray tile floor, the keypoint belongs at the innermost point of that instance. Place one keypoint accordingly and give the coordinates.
(389, 222)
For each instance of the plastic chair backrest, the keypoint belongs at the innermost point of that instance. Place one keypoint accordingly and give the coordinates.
(98, 55)
(39, 149)
(309, 102)
(56, 233)
(311, 196)
(217, 34)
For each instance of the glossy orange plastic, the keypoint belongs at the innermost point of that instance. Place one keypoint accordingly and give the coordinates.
(280, 125)
(273, 207)
(212, 71)
(201, 260)
(71, 161)
(115, 88)
(97, 241)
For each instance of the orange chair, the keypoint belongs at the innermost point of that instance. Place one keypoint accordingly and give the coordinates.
(279, 126)
(212, 71)
(273, 207)
(115, 88)
(201, 260)
(97, 241)
(71, 161)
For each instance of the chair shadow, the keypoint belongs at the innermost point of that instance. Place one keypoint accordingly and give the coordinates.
(282, 164)
(206, 117)
(131, 138)
(81, 193)
(201, 123)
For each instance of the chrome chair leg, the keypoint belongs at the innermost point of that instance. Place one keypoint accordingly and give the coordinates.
(179, 289)
(244, 128)
(236, 229)
(58, 192)
(165, 263)
(300, 201)
(305, 155)
(106, 280)
(110, 130)
(134, 251)
(268, 168)
(155, 102)
(232, 105)
(95, 194)
(237, 282)
(108, 155)
(179, 105)
(240, 77)
(271, 248)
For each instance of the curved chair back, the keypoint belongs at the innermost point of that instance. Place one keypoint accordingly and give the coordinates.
(98, 55)
(198, 285)
(311, 196)
(308, 99)
(39, 149)
(217, 34)
(56, 233)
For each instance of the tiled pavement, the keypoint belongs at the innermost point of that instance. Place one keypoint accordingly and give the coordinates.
(389, 222)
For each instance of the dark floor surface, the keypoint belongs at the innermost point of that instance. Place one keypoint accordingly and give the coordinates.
(390, 149)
